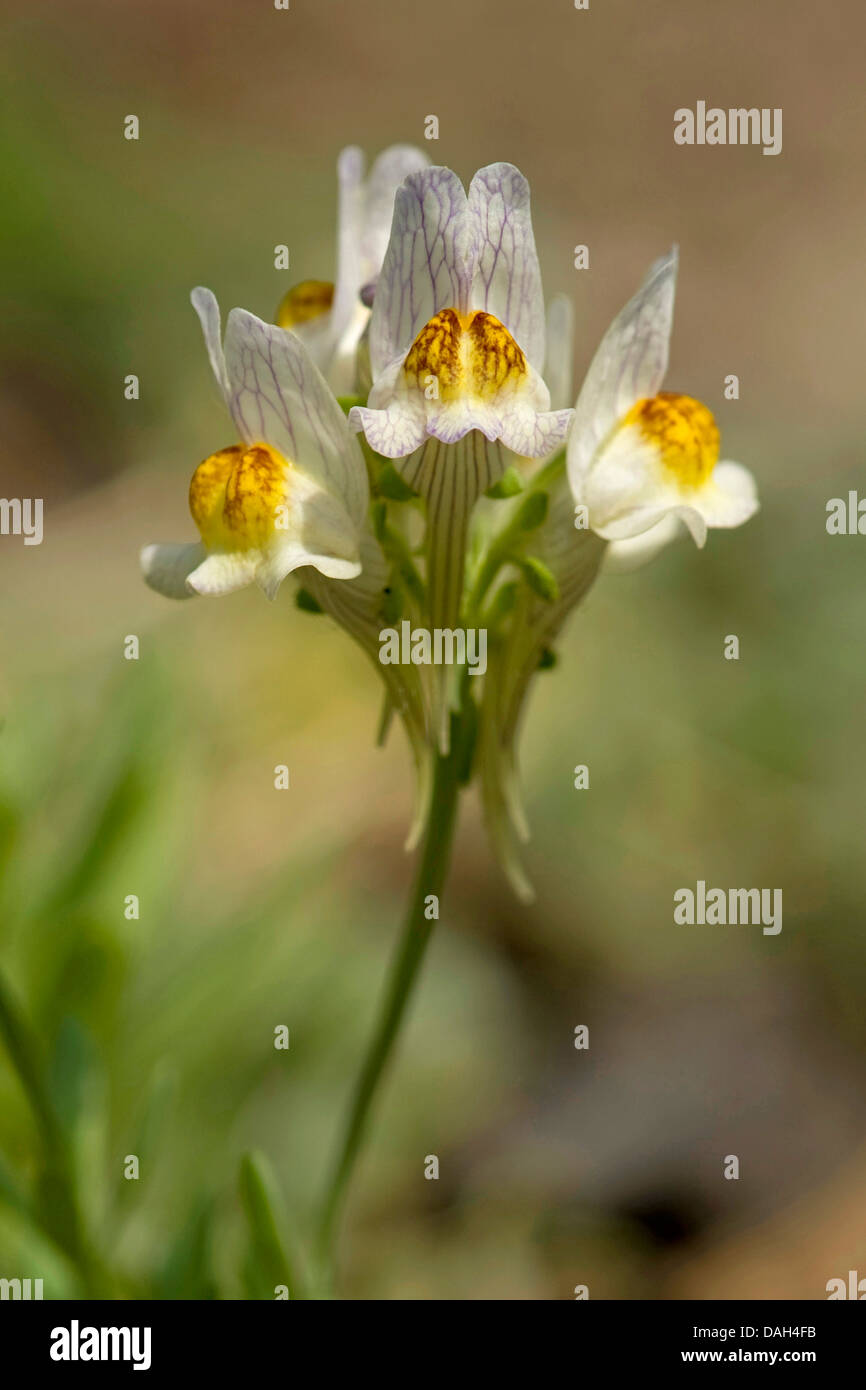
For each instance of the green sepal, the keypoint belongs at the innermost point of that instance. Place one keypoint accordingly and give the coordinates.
(392, 602)
(395, 548)
(502, 603)
(532, 512)
(391, 485)
(509, 485)
(539, 578)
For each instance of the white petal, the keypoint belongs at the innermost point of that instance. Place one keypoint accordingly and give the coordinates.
(396, 430)
(730, 497)
(532, 433)
(286, 558)
(695, 522)
(634, 551)
(507, 280)
(364, 218)
(321, 527)
(205, 304)
(166, 568)
(350, 278)
(429, 263)
(626, 485)
(279, 397)
(390, 169)
(559, 352)
(629, 365)
(224, 572)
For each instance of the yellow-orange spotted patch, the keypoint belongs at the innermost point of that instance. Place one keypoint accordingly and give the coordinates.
(684, 431)
(465, 354)
(304, 302)
(235, 496)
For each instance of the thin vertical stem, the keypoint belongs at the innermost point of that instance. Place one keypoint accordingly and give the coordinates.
(418, 927)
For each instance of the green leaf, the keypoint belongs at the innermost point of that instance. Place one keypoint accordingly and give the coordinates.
(160, 1096)
(11, 1191)
(547, 660)
(267, 1264)
(9, 827)
(107, 831)
(509, 485)
(186, 1272)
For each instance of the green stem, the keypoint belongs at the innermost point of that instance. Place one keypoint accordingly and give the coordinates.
(430, 876)
(510, 540)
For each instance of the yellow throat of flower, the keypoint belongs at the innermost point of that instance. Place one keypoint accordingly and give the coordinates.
(684, 433)
(465, 354)
(309, 300)
(237, 497)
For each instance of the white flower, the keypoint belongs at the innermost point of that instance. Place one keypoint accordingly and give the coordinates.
(330, 318)
(293, 492)
(457, 346)
(639, 457)
(457, 336)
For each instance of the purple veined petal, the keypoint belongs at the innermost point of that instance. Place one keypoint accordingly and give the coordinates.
(205, 304)
(508, 277)
(393, 432)
(533, 433)
(630, 364)
(278, 396)
(429, 263)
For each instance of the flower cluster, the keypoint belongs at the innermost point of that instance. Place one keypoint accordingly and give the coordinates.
(405, 445)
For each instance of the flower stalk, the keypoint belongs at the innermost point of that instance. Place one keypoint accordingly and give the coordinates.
(430, 874)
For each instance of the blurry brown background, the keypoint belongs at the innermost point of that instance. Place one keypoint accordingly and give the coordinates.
(558, 1167)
